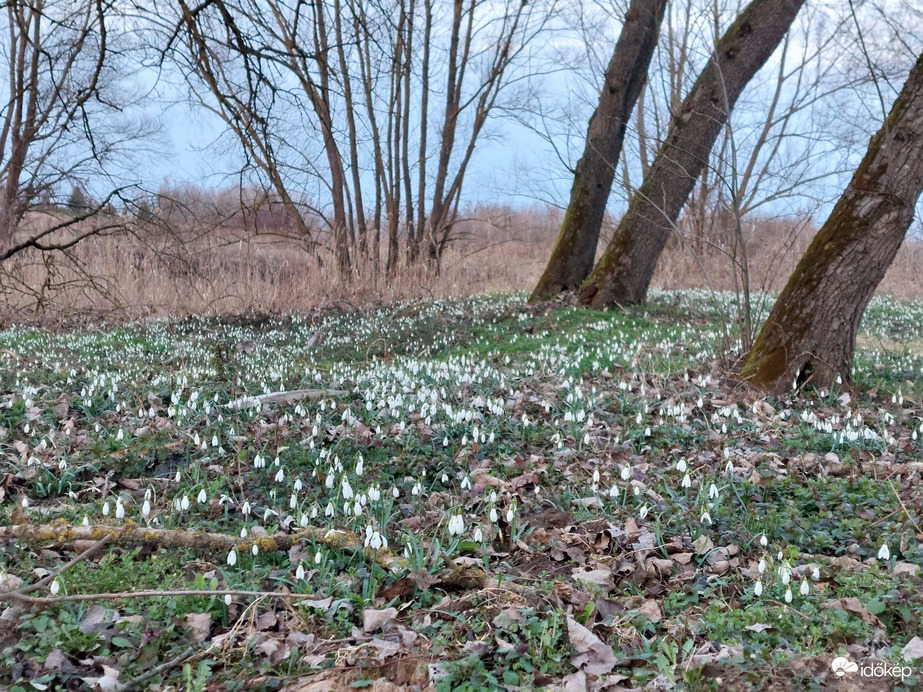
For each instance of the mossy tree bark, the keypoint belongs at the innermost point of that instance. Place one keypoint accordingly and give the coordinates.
(810, 335)
(575, 250)
(624, 272)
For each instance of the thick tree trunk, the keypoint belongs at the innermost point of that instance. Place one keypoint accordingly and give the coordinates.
(575, 250)
(810, 335)
(624, 272)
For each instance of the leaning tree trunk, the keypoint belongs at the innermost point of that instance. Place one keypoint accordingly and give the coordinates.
(624, 272)
(810, 334)
(573, 255)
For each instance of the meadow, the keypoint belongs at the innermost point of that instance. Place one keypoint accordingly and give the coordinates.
(455, 494)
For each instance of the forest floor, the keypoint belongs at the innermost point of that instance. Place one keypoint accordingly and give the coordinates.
(472, 494)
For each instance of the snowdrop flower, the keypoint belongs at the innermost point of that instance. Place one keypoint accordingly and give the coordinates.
(758, 589)
(202, 498)
(762, 566)
(706, 518)
(105, 508)
(626, 473)
(360, 467)
(681, 465)
(687, 481)
(493, 497)
(86, 521)
(184, 503)
(643, 512)
(493, 515)
(712, 491)
(299, 573)
(146, 509)
(318, 557)
(176, 477)
(456, 525)
(884, 553)
(243, 532)
(786, 576)
(232, 557)
(763, 540)
(245, 508)
(804, 587)
(466, 483)
(255, 549)
(280, 475)
(613, 492)
(227, 599)
(596, 476)
(815, 574)
(509, 515)
(788, 595)
(347, 490)
(395, 493)
(214, 440)
(478, 535)
(55, 587)
(328, 512)
(445, 478)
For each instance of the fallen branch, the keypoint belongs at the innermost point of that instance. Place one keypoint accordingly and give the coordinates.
(42, 583)
(284, 397)
(162, 668)
(132, 533)
(125, 595)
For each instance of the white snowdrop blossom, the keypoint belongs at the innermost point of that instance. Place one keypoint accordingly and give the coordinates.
(493, 515)
(55, 587)
(105, 509)
(280, 475)
(456, 525)
(466, 483)
(347, 490)
(478, 535)
(232, 557)
(119, 509)
(884, 553)
(758, 589)
(687, 481)
(184, 503)
(681, 465)
(227, 599)
(762, 566)
(146, 509)
(706, 518)
(255, 549)
(788, 595)
(804, 587)
(626, 473)
(764, 541)
(203, 497)
(299, 573)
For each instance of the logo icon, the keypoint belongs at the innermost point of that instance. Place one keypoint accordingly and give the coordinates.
(842, 665)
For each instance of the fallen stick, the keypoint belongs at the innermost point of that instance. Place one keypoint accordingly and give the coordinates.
(283, 397)
(132, 533)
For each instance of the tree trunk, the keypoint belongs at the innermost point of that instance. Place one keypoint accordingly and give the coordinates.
(624, 272)
(810, 335)
(575, 250)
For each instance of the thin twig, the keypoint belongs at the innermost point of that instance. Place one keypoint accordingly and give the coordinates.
(162, 668)
(51, 577)
(149, 594)
(904, 507)
(793, 609)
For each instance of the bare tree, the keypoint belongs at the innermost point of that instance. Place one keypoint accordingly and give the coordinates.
(810, 335)
(58, 119)
(344, 93)
(624, 272)
(575, 250)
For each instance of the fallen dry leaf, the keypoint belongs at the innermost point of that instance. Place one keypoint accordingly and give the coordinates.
(373, 620)
(854, 607)
(593, 655)
(199, 625)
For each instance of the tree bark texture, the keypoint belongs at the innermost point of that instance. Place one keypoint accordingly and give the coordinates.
(810, 335)
(623, 274)
(575, 250)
